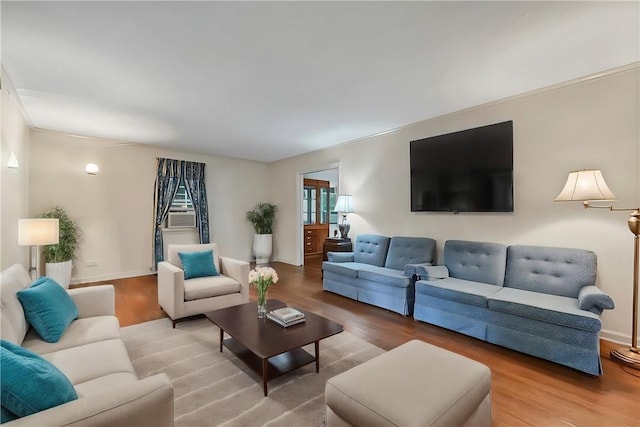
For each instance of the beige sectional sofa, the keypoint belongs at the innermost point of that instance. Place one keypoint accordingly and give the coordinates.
(92, 355)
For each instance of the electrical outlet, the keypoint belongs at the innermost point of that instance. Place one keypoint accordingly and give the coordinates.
(91, 263)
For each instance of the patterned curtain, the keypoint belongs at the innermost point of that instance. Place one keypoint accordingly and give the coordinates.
(167, 182)
(193, 176)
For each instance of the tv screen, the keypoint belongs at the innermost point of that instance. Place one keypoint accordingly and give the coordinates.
(465, 171)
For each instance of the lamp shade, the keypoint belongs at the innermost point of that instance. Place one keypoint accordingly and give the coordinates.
(344, 204)
(38, 231)
(585, 185)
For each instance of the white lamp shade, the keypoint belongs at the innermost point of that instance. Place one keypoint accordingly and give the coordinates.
(13, 161)
(585, 185)
(344, 204)
(92, 169)
(38, 231)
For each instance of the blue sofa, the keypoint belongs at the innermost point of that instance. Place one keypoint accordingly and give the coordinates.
(380, 270)
(537, 300)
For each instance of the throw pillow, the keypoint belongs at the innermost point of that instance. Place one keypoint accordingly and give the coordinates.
(198, 264)
(48, 308)
(30, 384)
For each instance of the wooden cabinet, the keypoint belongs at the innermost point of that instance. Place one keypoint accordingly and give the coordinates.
(315, 215)
(313, 239)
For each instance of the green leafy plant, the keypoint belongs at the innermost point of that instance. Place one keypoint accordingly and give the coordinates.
(65, 249)
(262, 217)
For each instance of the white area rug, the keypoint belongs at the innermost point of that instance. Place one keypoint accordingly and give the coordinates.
(218, 389)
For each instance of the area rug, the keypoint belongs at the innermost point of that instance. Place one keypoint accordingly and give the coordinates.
(218, 389)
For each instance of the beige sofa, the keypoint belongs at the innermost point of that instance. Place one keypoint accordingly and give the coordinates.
(93, 356)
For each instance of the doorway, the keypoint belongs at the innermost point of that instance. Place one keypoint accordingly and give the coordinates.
(319, 193)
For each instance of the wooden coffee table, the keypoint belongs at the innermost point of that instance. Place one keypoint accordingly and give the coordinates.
(267, 348)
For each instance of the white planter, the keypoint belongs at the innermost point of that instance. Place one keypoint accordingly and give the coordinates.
(60, 272)
(262, 247)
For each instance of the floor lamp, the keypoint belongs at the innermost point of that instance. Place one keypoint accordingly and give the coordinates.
(34, 232)
(344, 205)
(587, 186)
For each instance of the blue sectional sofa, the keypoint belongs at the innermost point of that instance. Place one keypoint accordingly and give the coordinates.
(380, 270)
(537, 300)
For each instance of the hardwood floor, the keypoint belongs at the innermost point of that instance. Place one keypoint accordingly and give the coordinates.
(526, 391)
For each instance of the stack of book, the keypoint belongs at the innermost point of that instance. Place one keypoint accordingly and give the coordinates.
(286, 317)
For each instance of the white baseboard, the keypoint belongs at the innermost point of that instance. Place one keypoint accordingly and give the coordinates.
(110, 276)
(615, 337)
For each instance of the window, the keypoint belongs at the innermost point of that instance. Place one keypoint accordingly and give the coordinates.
(182, 201)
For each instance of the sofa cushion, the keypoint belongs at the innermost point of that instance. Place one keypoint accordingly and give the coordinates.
(30, 384)
(383, 275)
(206, 287)
(349, 269)
(198, 264)
(553, 309)
(371, 249)
(13, 322)
(80, 332)
(77, 364)
(409, 250)
(48, 307)
(106, 382)
(476, 261)
(453, 289)
(555, 271)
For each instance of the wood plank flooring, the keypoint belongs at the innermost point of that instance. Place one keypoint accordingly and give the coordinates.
(526, 391)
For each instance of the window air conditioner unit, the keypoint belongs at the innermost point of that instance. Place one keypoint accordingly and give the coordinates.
(181, 219)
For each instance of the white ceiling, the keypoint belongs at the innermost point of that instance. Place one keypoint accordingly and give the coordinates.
(270, 80)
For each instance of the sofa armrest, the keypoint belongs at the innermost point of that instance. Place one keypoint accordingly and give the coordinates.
(411, 269)
(238, 270)
(147, 402)
(432, 272)
(171, 289)
(592, 299)
(340, 256)
(94, 300)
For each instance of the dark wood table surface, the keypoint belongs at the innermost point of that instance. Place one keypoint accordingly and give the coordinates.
(267, 348)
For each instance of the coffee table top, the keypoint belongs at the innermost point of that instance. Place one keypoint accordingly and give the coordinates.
(264, 337)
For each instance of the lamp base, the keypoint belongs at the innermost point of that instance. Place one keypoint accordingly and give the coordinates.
(627, 356)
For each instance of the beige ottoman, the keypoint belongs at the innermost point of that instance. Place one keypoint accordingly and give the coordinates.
(415, 384)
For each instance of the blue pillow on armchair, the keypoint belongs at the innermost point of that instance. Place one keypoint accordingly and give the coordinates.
(48, 308)
(198, 264)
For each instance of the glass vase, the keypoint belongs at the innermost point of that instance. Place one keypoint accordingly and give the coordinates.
(262, 303)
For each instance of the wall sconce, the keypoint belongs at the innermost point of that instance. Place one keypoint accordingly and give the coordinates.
(13, 161)
(92, 169)
(586, 186)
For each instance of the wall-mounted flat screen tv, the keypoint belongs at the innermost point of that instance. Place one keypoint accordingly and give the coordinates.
(465, 171)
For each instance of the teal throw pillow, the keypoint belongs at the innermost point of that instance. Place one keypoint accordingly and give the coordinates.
(198, 264)
(48, 308)
(6, 415)
(30, 384)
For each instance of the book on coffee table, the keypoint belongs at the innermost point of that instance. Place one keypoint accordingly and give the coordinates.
(287, 314)
(282, 323)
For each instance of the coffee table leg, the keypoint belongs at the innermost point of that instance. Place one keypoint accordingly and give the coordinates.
(317, 345)
(221, 338)
(265, 374)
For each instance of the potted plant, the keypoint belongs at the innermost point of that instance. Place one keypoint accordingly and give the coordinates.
(262, 217)
(59, 257)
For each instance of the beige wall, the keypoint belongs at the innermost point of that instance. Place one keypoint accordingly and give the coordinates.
(115, 207)
(589, 124)
(14, 184)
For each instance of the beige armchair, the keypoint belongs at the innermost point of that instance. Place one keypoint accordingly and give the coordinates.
(180, 297)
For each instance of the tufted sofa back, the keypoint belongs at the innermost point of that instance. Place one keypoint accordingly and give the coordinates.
(555, 271)
(409, 250)
(476, 261)
(371, 249)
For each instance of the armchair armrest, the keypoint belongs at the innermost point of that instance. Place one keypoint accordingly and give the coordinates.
(432, 272)
(340, 256)
(147, 402)
(94, 300)
(592, 299)
(411, 269)
(171, 289)
(238, 270)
